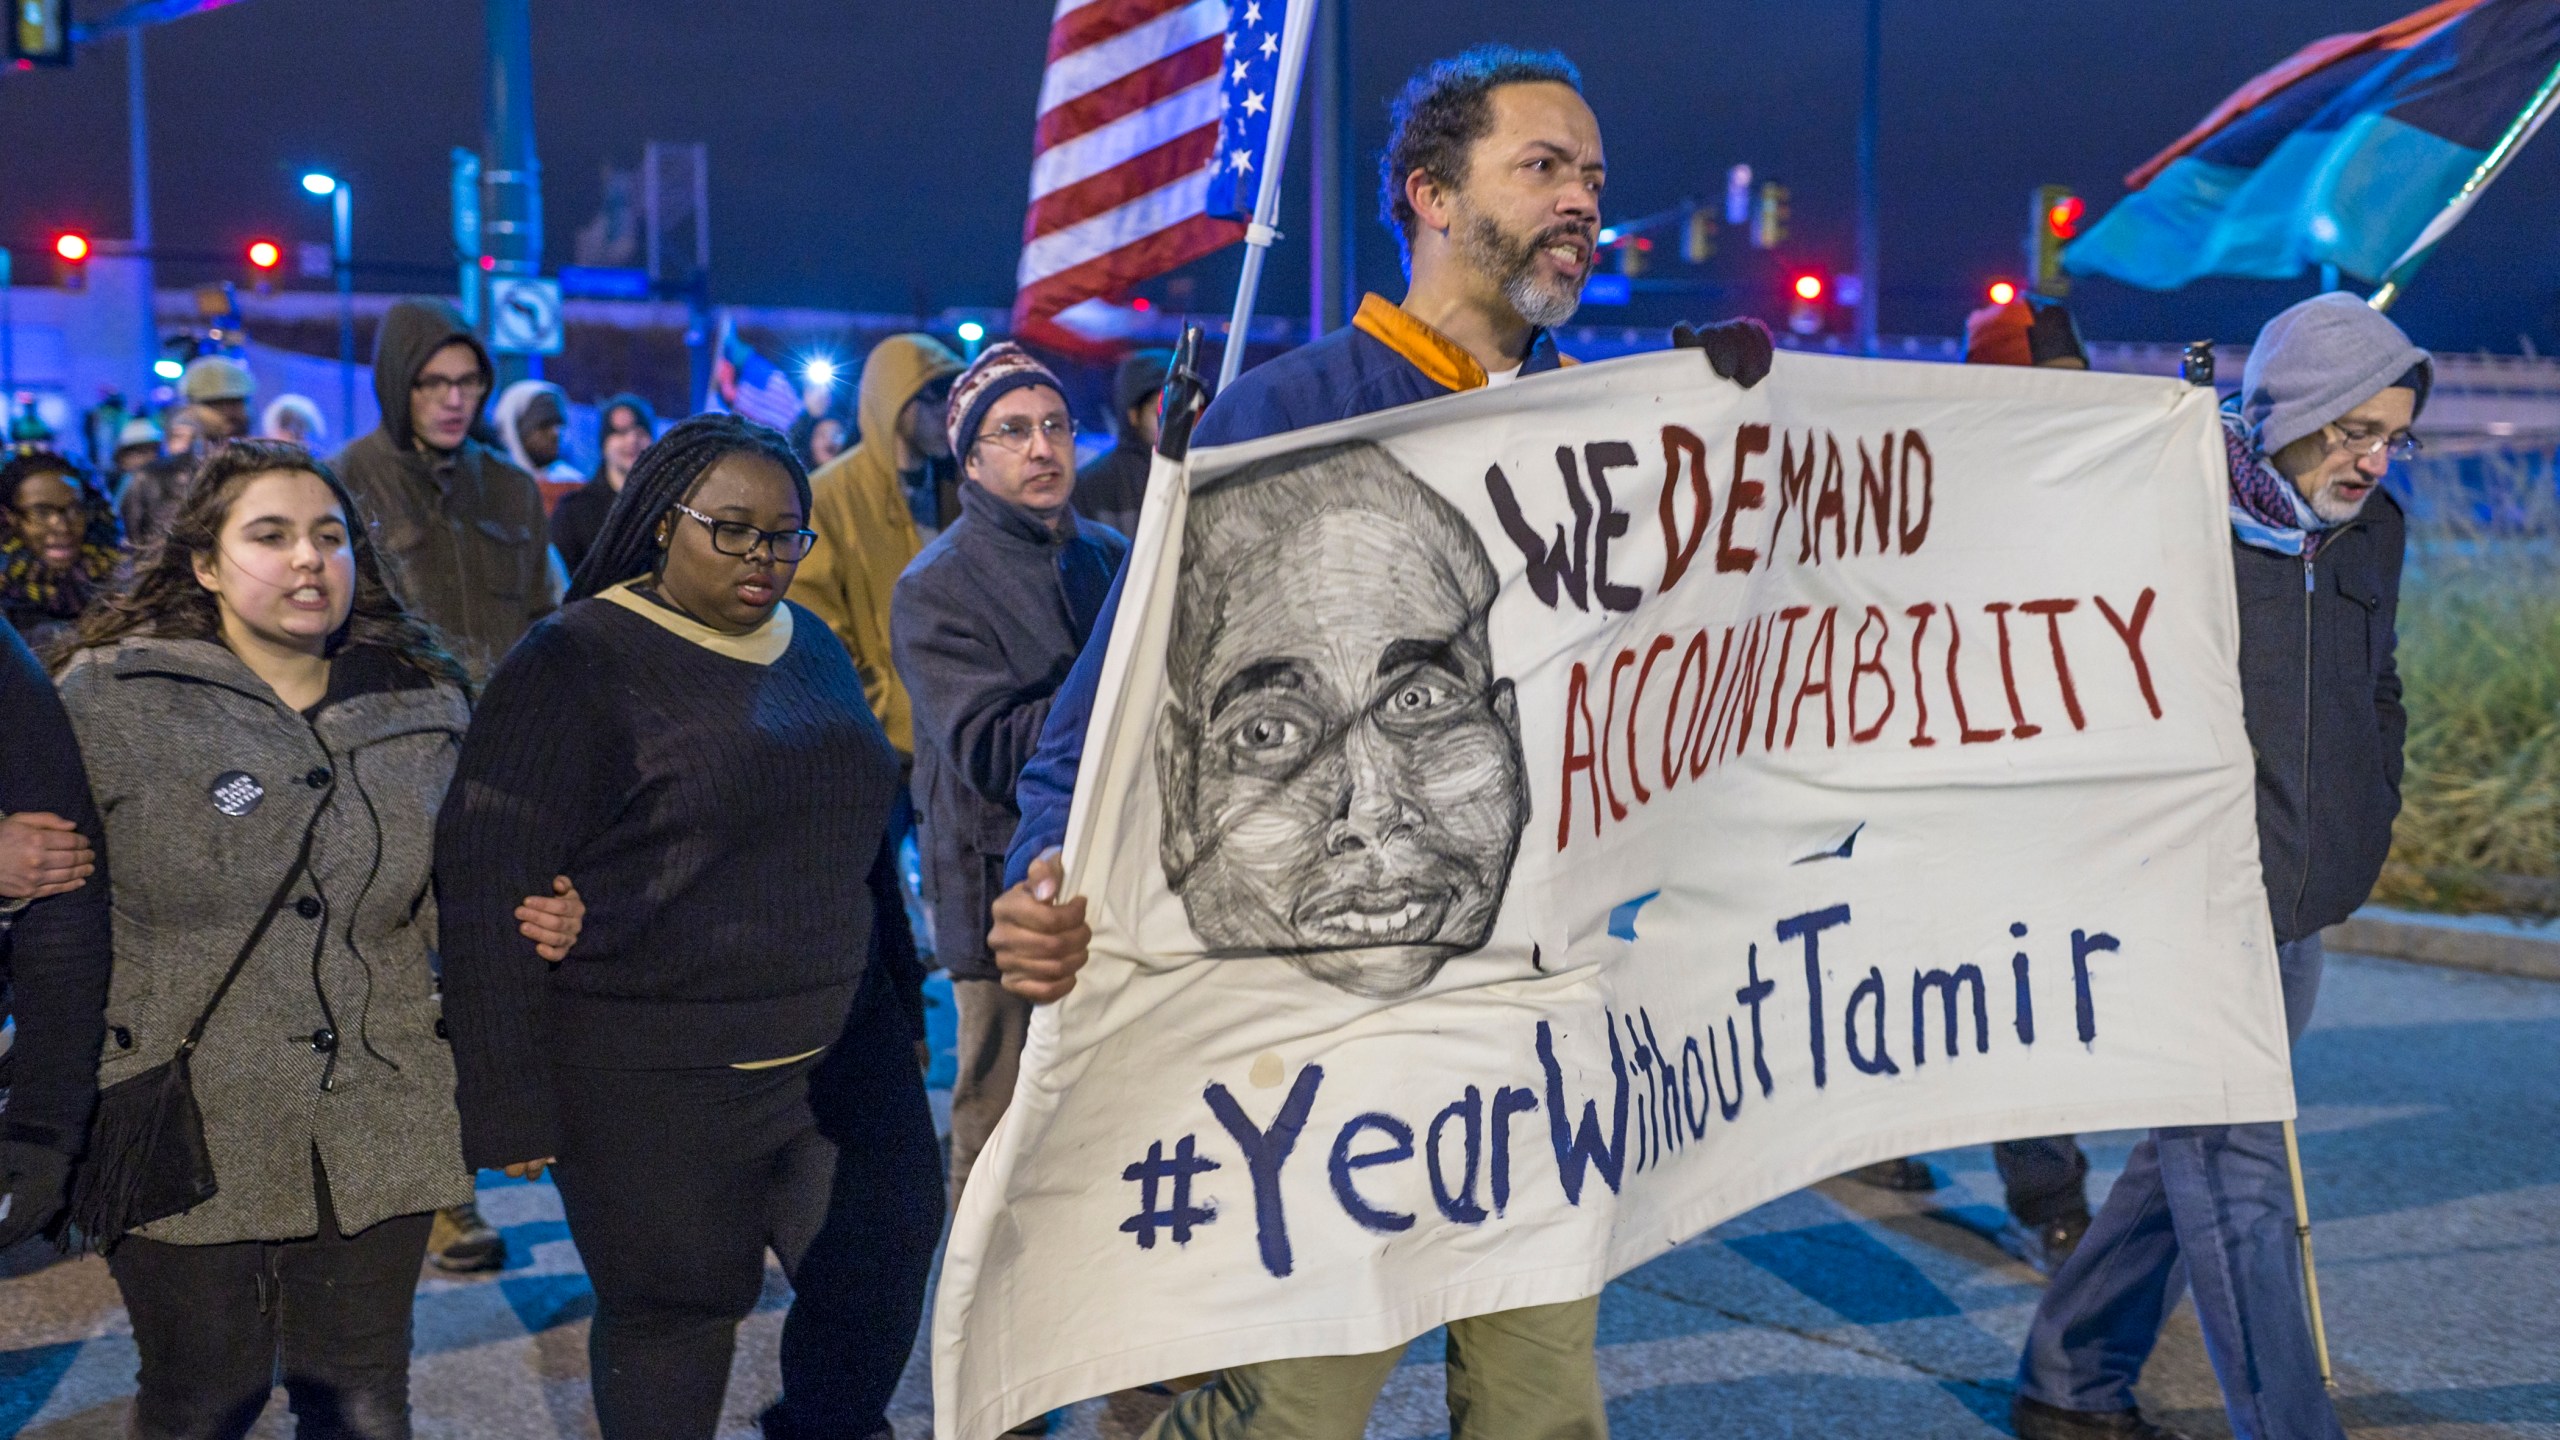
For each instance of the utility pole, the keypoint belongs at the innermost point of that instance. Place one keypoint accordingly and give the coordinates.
(1333, 272)
(1870, 238)
(138, 162)
(510, 176)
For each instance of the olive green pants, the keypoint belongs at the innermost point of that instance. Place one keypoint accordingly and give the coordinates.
(1523, 1374)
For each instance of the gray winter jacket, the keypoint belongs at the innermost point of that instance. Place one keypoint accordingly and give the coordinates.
(328, 1040)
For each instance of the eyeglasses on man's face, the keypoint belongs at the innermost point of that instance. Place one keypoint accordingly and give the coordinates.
(739, 539)
(440, 386)
(1014, 432)
(2362, 442)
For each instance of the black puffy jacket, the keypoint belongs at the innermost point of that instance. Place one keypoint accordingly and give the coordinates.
(2322, 695)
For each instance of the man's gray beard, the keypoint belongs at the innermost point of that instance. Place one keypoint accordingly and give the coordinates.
(1515, 266)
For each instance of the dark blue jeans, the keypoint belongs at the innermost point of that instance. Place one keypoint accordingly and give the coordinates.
(2207, 1206)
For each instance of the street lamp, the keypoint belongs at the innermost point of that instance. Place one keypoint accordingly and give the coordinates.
(342, 253)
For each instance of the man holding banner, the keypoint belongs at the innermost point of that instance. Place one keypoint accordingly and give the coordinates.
(2325, 405)
(1492, 182)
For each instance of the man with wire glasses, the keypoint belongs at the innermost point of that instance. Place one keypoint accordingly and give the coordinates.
(2325, 406)
(983, 626)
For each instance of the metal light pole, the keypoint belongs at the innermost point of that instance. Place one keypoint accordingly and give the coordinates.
(342, 251)
(1870, 239)
(1333, 288)
(510, 175)
(137, 120)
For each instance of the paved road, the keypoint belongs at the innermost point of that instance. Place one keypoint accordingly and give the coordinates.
(2431, 1129)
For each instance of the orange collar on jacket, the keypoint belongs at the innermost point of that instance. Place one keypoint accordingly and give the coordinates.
(1441, 360)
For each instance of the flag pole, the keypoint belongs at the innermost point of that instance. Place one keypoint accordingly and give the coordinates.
(2538, 109)
(1258, 233)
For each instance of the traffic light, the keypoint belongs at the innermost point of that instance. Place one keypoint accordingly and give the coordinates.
(2002, 292)
(1698, 243)
(39, 33)
(265, 256)
(1805, 318)
(1769, 220)
(2052, 222)
(71, 260)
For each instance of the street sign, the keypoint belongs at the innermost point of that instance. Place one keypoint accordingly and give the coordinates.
(524, 315)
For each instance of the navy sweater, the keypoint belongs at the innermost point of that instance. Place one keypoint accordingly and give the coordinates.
(724, 822)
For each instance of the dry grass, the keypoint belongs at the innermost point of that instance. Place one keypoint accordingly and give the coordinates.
(2479, 827)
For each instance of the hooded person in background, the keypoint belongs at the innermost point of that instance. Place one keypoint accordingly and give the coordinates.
(1112, 486)
(222, 388)
(625, 426)
(531, 417)
(866, 531)
(2325, 406)
(460, 529)
(137, 445)
(293, 418)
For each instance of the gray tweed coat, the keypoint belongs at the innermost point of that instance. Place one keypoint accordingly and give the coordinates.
(328, 1039)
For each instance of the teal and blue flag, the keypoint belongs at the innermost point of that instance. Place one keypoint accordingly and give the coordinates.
(2344, 155)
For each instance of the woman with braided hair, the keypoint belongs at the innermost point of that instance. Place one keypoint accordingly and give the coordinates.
(727, 1063)
(60, 544)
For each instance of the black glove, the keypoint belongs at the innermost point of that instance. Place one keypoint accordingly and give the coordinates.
(1739, 350)
(37, 1180)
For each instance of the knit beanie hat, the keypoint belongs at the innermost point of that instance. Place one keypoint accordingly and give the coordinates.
(2022, 332)
(2321, 359)
(1003, 368)
(216, 377)
(138, 433)
(1139, 378)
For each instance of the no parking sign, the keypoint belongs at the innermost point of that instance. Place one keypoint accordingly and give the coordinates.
(524, 316)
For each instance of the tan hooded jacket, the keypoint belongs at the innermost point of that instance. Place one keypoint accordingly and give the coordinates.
(866, 535)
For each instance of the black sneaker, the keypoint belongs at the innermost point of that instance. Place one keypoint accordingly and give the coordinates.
(1906, 1174)
(2035, 1420)
(2046, 1246)
(461, 1243)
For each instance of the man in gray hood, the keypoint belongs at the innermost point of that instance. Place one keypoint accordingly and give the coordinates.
(459, 527)
(2325, 406)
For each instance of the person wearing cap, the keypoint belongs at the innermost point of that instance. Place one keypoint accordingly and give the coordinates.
(983, 626)
(1111, 486)
(2029, 330)
(220, 387)
(2325, 405)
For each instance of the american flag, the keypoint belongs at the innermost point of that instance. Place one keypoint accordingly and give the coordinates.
(745, 383)
(1133, 110)
(1251, 78)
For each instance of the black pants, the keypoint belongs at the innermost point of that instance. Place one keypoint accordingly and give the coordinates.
(2047, 1179)
(676, 1182)
(212, 1323)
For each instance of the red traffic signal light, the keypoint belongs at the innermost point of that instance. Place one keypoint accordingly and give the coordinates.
(1808, 286)
(2002, 292)
(2063, 216)
(264, 254)
(72, 246)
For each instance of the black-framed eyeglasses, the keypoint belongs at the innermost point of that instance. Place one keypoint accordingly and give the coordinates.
(738, 538)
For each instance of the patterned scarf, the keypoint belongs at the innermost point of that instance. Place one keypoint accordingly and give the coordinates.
(2267, 513)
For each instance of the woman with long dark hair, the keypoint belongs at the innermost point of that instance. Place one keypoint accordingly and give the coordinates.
(727, 1064)
(625, 426)
(60, 544)
(268, 735)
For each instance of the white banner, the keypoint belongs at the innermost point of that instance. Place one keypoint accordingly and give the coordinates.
(1526, 829)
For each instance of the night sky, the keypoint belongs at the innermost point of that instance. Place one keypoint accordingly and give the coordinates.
(874, 156)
